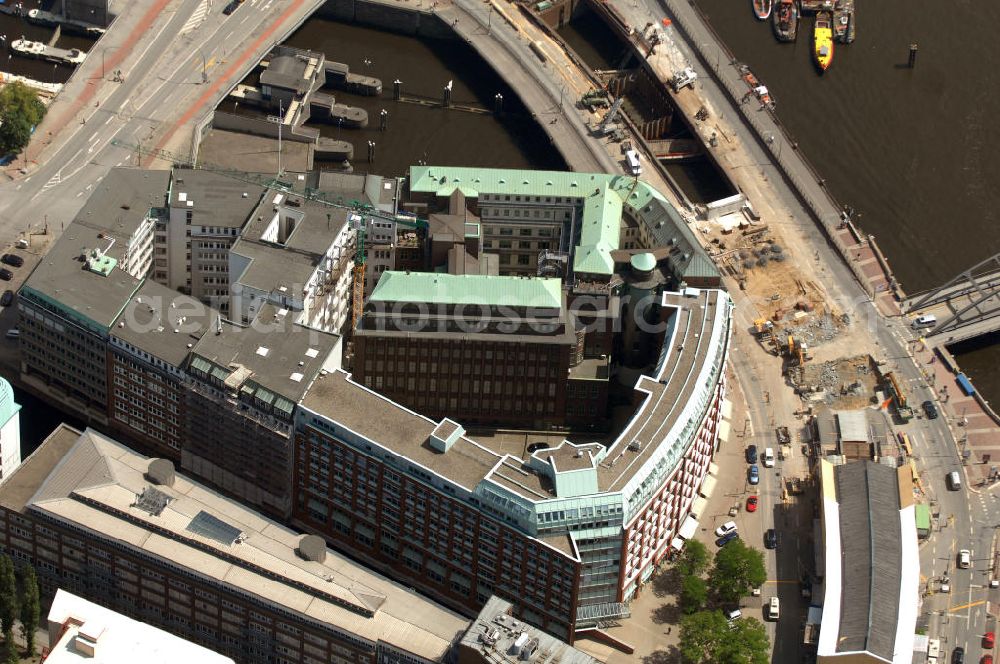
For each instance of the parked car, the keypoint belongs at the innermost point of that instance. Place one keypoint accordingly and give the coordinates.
(989, 640)
(13, 333)
(930, 410)
(733, 615)
(771, 539)
(768, 457)
(773, 609)
(753, 475)
(725, 529)
(964, 559)
(726, 539)
(987, 659)
(6, 274)
(231, 7)
(752, 454)
(12, 259)
(958, 655)
(7, 298)
(752, 504)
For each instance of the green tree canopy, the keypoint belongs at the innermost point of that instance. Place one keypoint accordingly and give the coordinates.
(8, 593)
(738, 568)
(20, 110)
(694, 559)
(746, 643)
(30, 610)
(700, 632)
(707, 638)
(694, 593)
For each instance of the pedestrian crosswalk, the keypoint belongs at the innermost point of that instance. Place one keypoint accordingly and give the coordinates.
(199, 14)
(53, 181)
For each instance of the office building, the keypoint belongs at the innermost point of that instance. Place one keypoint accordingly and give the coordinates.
(82, 631)
(490, 350)
(147, 354)
(295, 254)
(497, 637)
(244, 384)
(206, 214)
(129, 533)
(871, 564)
(76, 293)
(567, 534)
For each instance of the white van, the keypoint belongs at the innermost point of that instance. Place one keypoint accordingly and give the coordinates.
(773, 609)
(769, 457)
(13, 333)
(928, 320)
(954, 480)
(734, 615)
(634, 167)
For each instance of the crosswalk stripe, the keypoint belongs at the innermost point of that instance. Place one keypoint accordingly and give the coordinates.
(199, 14)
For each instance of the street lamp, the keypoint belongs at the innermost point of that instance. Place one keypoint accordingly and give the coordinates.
(103, 51)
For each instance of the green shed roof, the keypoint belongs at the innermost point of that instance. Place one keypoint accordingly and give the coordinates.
(922, 516)
(473, 289)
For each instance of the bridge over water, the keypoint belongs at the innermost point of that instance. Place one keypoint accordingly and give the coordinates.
(967, 306)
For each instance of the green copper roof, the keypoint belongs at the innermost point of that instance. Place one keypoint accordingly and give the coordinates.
(8, 407)
(643, 262)
(604, 197)
(472, 289)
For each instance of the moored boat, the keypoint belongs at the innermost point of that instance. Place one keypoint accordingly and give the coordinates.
(823, 41)
(762, 9)
(786, 21)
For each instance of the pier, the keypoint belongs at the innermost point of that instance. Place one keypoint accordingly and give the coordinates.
(33, 49)
(68, 25)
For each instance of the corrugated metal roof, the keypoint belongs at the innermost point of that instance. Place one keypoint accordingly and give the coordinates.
(473, 289)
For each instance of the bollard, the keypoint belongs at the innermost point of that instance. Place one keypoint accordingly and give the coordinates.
(498, 103)
(397, 91)
(383, 120)
(913, 55)
(447, 94)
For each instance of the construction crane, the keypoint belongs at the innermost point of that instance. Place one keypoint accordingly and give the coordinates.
(359, 208)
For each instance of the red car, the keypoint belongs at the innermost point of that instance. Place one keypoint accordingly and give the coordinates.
(989, 640)
(987, 659)
(752, 504)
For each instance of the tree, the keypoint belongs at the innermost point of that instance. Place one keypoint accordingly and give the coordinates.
(738, 568)
(694, 560)
(30, 610)
(746, 643)
(10, 648)
(20, 110)
(694, 594)
(8, 593)
(700, 634)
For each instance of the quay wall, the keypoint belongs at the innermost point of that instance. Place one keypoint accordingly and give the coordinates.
(772, 136)
(415, 21)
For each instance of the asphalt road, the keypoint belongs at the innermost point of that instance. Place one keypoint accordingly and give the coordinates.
(163, 78)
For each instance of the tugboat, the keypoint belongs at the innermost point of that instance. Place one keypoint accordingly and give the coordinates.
(823, 41)
(762, 9)
(786, 21)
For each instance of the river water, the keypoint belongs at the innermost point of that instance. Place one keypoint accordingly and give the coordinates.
(16, 27)
(910, 149)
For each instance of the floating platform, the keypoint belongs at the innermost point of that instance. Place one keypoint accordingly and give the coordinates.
(812, 6)
(338, 75)
(69, 25)
(33, 49)
(323, 108)
(328, 149)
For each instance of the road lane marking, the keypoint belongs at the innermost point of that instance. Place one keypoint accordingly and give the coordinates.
(91, 139)
(967, 606)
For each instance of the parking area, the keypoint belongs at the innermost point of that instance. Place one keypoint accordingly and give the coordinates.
(26, 255)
